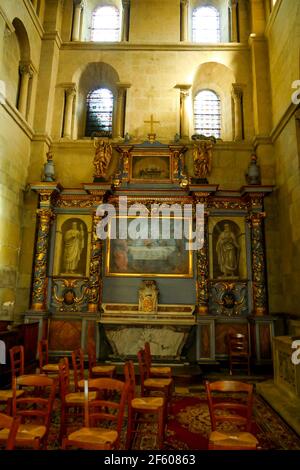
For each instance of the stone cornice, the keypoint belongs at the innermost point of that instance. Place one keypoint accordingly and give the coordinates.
(53, 36)
(16, 116)
(127, 46)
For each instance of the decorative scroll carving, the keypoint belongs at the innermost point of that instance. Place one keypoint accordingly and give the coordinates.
(40, 262)
(228, 298)
(95, 286)
(69, 295)
(258, 263)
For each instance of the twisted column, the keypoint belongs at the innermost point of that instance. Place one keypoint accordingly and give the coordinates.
(258, 264)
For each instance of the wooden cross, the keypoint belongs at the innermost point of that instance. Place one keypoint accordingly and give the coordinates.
(151, 122)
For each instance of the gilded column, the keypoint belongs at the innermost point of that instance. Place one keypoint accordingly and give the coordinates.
(95, 282)
(39, 288)
(70, 95)
(77, 20)
(202, 265)
(234, 32)
(258, 264)
(26, 73)
(125, 28)
(237, 95)
(184, 5)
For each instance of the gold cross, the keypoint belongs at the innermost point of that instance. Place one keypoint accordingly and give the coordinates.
(151, 122)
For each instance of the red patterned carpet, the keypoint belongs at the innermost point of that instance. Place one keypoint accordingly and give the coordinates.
(189, 426)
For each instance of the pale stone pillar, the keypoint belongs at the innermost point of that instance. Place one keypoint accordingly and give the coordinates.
(119, 115)
(234, 32)
(184, 110)
(77, 20)
(70, 94)
(26, 74)
(184, 5)
(125, 26)
(237, 94)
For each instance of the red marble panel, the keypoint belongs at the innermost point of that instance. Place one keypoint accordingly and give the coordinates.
(265, 342)
(223, 330)
(91, 334)
(64, 335)
(205, 341)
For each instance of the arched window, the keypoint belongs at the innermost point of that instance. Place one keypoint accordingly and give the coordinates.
(105, 24)
(207, 113)
(99, 112)
(206, 25)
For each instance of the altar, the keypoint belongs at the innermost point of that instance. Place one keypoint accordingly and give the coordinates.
(203, 254)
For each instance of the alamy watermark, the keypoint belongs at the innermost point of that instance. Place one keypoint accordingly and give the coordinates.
(296, 94)
(296, 354)
(159, 222)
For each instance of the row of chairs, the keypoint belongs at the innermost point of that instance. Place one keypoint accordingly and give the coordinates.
(93, 403)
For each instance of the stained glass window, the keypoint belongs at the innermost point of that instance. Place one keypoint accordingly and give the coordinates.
(207, 113)
(105, 24)
(206, 25)
(99, 112)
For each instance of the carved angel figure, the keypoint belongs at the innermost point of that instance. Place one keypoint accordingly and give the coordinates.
(202, 155)
(103, 154)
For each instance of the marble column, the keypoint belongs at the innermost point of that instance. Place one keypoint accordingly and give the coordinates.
(234, 31)
(39, 288)
(237, 94)
(125, 26)
(26, 73)
(258, 264)
(70, 95)
(77, 20)
(184, 5)
(120, 110)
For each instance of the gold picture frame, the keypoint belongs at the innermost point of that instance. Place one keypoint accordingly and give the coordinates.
(151, 167)
(159, 257)
(72, 245)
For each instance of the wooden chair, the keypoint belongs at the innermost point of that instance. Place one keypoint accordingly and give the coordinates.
(142, 410)
(230, 411)
(78, 367)
(10, 427)
(148, 384)
(155, 371)
(34, 408)
(16, 361)
(45, 367)
(104, 411)
(239, 351)
(99, 370)
(72, 403)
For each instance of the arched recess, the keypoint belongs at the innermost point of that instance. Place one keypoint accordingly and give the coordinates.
(95, 75)
(89, 8)
(16, 53)
(221, 6)
(218, 78)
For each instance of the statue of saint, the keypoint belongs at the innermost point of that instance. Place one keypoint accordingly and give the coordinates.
(148, 297)
(73, 246)
(228, 251)
(102, 157)
(202, 155)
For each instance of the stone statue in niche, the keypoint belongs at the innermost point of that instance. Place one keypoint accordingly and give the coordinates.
(228, 251)
(148, 297)
(202, 155)
(103, 154)
(73, 246)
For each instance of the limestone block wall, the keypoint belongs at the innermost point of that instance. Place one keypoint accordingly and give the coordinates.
(283, 33)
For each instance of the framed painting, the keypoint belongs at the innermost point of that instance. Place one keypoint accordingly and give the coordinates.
(72, 245)
(162, 256)
(151, 168)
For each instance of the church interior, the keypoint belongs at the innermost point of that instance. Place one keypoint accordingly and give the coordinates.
(115, 114)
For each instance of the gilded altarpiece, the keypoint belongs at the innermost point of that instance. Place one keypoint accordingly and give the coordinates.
(222, 288)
